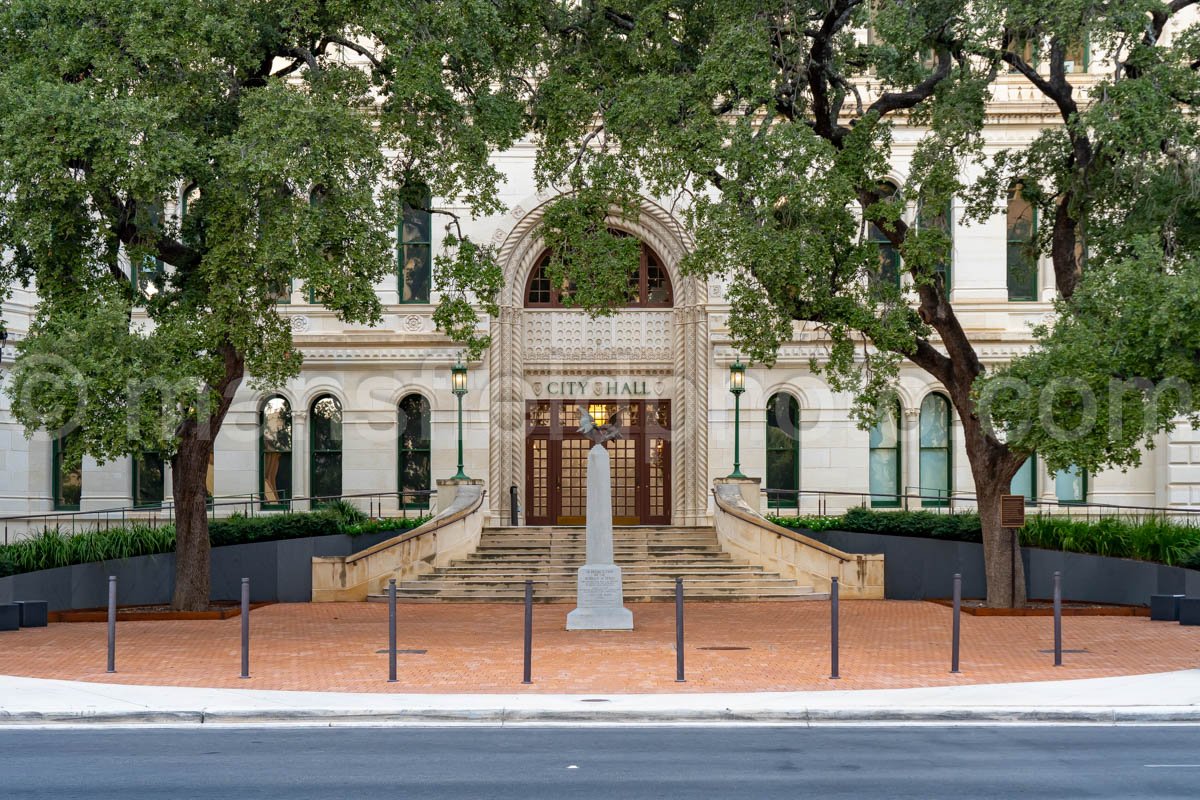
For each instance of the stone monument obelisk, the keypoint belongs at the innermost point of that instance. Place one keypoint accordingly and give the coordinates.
(600, 603)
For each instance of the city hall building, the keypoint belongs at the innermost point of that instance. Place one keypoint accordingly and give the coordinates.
(373, 416)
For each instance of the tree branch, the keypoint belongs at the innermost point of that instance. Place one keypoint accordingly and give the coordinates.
(350, 45)
(900, 101)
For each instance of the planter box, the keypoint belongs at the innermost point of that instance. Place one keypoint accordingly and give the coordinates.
(1189, 611)
(34, 613)
(10, 617)
(1165, 607)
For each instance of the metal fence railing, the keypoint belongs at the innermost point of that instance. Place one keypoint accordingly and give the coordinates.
(404, 504)
(825, 502)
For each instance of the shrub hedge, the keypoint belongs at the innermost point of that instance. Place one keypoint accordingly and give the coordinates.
(1151, 539)
(54, 547)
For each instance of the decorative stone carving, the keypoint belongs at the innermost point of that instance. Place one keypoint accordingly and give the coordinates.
(574, 336)
(413, 323)
(300, 323)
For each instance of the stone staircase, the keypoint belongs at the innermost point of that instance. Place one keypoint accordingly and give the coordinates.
(650, 559)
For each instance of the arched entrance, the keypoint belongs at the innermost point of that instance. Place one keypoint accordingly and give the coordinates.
(649, 361)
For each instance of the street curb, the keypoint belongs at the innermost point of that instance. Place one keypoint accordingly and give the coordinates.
(1092, 715)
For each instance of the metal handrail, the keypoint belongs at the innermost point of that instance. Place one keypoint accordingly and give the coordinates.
(901, 503)
(253, 503)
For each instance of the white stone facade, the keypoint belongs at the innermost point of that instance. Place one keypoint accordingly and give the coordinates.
(681, 354)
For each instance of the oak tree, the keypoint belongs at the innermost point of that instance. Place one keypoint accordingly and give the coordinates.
(168, 169)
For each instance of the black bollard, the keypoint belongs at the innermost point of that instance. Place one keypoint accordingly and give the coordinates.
(528, 676)
(833, 630)
(1058, 619)
(955, 639)
(391, 630)
(112, 623)
(513, 507)
(679, 630)
(245, 627)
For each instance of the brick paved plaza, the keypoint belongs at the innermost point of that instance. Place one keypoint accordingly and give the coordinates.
(477, 648)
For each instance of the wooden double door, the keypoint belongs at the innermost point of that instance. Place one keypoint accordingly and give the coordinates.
(556, 461)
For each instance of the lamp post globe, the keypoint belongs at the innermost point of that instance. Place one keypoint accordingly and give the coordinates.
(458, 385)
(737, 385)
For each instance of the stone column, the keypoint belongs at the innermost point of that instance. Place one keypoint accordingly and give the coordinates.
(600, 600)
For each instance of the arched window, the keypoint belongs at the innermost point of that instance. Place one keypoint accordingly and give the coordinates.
(414, 467)
(783, 450)
(1021, 232)
(1025, 481)
(325, 466)
(884, 466)
(414, 246)
(888, 271)
(1071, 485)
(940, 220)
(275, 453)
(936, 481)
(68, 482)
(649, 286)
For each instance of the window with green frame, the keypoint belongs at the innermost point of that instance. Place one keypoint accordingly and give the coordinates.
(414, 250)
(885, 457)
(414, 448)
(1071, 485)
(325, 438)
(1025, 481)
(281, 292)
(1025, 46)
(148, 275)
(67, 481)
(935, 456)
(783, 450)
(1021, 234)
(146, 271)
(942, 220)
(148, 480)
(275, 453)
(888, 271)
(1076, 56)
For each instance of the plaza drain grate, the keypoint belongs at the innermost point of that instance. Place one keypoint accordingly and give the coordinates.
(723, 647)
(595, 700)
(384, 652)
(1065, 651)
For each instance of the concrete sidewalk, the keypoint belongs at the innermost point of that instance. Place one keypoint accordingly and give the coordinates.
(1162, 697)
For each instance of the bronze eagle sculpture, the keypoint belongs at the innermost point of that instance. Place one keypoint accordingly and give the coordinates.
(598, 434)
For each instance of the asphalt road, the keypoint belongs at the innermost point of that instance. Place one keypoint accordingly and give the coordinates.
(623, 763)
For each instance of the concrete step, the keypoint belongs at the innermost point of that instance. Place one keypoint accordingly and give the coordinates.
(570, 598)
(665, 583)
(572, 571)
(651, 557)
(532, 555)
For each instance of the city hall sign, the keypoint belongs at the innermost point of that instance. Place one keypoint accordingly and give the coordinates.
(601, 387)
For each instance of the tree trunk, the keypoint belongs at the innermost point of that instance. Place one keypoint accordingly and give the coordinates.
(189, 470)
(1002, 562)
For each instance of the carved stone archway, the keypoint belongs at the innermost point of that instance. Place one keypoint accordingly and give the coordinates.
(684, 356)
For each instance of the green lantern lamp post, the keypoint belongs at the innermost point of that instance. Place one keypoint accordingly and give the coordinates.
(737, 385)
(458, 385)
